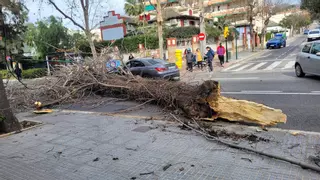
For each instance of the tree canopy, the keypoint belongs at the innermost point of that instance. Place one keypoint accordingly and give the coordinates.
(13, 29)
(296, 21)
(313, 6)
(133, 7)
(48, 35)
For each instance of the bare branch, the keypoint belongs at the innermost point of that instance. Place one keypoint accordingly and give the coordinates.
(66, 16)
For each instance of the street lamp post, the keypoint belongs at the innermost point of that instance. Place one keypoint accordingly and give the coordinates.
(236, 37)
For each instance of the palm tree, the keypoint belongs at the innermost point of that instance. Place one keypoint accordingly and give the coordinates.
(133, 7)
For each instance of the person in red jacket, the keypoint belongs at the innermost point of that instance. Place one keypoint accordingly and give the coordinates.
(221, 51)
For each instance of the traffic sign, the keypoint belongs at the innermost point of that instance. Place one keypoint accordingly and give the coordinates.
(201, 36)
(8, 58)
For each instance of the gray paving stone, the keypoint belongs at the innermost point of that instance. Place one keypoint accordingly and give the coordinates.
(67, 150)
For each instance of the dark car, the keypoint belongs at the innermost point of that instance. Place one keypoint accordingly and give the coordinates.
(306, 32)
(276, 42)
(153, 68)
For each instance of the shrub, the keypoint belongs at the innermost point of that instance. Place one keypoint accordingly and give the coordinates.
(183, 32)
(34, 73)
(5, 74)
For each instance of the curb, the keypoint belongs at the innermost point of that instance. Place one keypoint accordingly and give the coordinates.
(111, 114)
(22, 130)
(291, 131)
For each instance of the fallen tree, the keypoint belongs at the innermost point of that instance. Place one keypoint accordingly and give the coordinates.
(74, 82)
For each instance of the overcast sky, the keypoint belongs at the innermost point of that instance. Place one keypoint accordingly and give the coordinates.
(39, 11)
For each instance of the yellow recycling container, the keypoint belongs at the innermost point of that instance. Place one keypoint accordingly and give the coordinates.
(179, 58)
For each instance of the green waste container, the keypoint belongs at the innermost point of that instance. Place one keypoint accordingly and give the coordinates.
(229, 55)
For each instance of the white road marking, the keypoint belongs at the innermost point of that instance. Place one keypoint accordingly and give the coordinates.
(313, 93)
(231, 67)
(273, 65)
(289, 65)
(248, 78)
(257, 66)
(243, 67)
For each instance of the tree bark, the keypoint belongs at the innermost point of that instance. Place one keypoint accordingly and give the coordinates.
(85, 8)
(251, 27)
(8, 121)
(263, 31)
(160, 28)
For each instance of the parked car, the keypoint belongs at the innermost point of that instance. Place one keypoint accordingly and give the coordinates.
(276, 42)
(308, 59)
(306, 32)
(153, 68)
(314, 35)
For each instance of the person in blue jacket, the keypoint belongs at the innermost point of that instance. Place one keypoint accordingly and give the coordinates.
(210, 56)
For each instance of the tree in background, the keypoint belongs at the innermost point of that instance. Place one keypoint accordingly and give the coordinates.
(267, 9)
(47, 36)
(8, 122)
(133, 7)
(85, 14)
(296, 21)
(313, 6)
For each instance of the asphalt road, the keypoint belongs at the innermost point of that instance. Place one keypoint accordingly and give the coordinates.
(288, 52)
(299, 98)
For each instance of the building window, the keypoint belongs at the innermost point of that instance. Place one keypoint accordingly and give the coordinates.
(192, 23)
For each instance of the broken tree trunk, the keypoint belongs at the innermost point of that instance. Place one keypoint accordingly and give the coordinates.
(198, 102)
(243, 111)
(8, 122)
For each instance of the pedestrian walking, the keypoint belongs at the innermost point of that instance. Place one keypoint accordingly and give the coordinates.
(18, 72)
(131, 57)
(199, 59)
(189, 58)
(210, 56)
(221, 51)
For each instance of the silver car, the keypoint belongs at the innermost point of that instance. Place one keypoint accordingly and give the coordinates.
(153, 68)
(308, 59)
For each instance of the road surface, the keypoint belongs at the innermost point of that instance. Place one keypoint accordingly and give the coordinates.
(274, 83)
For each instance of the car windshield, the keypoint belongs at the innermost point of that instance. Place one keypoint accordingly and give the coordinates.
(314, 32)
(276, 38)
(155, 61)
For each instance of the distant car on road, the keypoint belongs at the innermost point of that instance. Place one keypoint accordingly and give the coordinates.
(153, 68)
(308, 59)
(306, 32)
(277, 42)
(314, 35)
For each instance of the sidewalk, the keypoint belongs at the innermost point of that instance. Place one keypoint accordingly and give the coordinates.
(88, 145)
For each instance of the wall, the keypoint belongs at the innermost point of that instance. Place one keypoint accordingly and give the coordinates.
(112, 33)
(112, 27)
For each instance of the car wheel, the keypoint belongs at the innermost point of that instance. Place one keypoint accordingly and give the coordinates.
(285, 44)
(299, 71)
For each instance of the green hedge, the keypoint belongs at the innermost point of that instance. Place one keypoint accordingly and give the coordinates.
(34, 73)
(182, 32)
(27, 74)
(5, 74)
(131, 43)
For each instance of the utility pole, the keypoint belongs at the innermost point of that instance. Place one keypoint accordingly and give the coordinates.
(202, 26)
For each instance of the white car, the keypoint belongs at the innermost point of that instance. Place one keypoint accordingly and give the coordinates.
(308, 59)
(314, 35)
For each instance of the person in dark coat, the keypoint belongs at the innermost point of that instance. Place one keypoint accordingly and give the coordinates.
(131, 57)
(189, 58)
(18, 72)
(210, 56)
